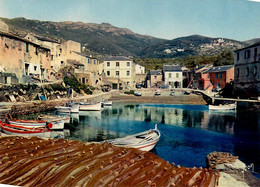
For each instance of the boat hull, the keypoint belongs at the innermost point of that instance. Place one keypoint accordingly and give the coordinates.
(90, 107)
(24, 131)
(222, 107)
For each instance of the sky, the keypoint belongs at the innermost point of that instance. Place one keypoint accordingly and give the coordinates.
(167, 19)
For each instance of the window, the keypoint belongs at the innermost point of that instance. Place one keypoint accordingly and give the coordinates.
(51, 57)
(255, 70)
(83, 80)
(247, 54)
(36, 50)
(170, 75)
(88, 61)
(247, 71)
(155, 77)
(220, 75)
(237, 55)
(127, 73)
(117, 73)
(108, 73)
(27, 47)
(255, 52)
(117, 64)
(216, 75)
(61, 62)
(238, 72)
(108, 64)
(60, 50)
(177, 75)
(128, 63)
(35, 68)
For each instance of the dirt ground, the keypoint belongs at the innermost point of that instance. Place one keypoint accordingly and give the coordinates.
(163, 99)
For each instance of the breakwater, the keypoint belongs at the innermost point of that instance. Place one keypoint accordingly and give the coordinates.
(59, 162)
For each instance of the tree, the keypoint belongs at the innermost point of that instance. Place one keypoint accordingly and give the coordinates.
(226, 57)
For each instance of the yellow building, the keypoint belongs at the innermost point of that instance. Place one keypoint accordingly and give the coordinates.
(119, 71)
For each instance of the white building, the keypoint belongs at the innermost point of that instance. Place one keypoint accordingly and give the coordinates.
(172, 76)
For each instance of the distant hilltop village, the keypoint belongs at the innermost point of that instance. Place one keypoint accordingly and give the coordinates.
(213, 47)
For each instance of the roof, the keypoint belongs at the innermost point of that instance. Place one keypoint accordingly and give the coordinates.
(172, 68)
(117, 58)
(84, 55)
(45, 39)
(253, 45)
(155, 72)
(219, 69)
(21, 39)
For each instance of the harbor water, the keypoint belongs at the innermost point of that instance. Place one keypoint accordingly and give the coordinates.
(189, 132)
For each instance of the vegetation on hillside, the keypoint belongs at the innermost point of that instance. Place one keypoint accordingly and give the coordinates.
(226, 57)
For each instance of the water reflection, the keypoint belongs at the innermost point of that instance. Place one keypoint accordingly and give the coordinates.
(189, 132)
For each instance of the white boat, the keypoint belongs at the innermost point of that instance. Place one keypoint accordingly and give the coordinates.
(57, 121)
(74, 107)
(144, 141)
(63, 109)
(107, 103)
(55, 124)
(90, 107)
(157, 92)
(223, 107)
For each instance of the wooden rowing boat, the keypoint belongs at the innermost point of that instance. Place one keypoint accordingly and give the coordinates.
(232, 106)
(19, 130)
(144, 141)
(90, 107)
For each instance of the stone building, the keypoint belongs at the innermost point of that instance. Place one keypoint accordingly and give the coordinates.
(247, 70)
(119, 71)
(154, 79)
(27, 60)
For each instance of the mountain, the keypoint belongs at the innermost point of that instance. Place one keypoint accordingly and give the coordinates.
(100, 38)
(191, 46)
(106, 39)
(252, 41)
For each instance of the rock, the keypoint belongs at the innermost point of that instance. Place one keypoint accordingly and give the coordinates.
(237, 165)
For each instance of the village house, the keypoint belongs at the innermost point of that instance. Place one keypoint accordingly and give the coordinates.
(172, 76)
(119, 72)
(247, 70)
(22, 60)
(55, 57)
(154, 79)
(218, 77)
(140, 75)
(197, 78)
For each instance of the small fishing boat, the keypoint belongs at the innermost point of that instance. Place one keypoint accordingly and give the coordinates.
(63, 109)
(53, 118)
(56, 124)
(144, 141)
(28, 123)
(90, 107)
(18, 130)
(107, 103)
(232, 106)
(74, 107)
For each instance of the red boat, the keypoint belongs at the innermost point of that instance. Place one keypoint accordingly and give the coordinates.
(19, 130)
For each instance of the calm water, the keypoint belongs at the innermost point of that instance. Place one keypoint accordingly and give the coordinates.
(189, 132)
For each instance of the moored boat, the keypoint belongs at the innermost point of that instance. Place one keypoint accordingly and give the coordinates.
(63, 109)
(90, 107)
(107, 103)
(144, 141)
(232, 106)
(24, 131)
(54, 118)
(56, 124)
(74, 107)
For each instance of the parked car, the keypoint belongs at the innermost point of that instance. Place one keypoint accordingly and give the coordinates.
(138, 86)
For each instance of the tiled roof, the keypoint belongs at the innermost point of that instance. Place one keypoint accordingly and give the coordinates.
(21, 39)
(45, 39)
(116, 58)
(171, 68)
(219, 69)
(155, 72)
